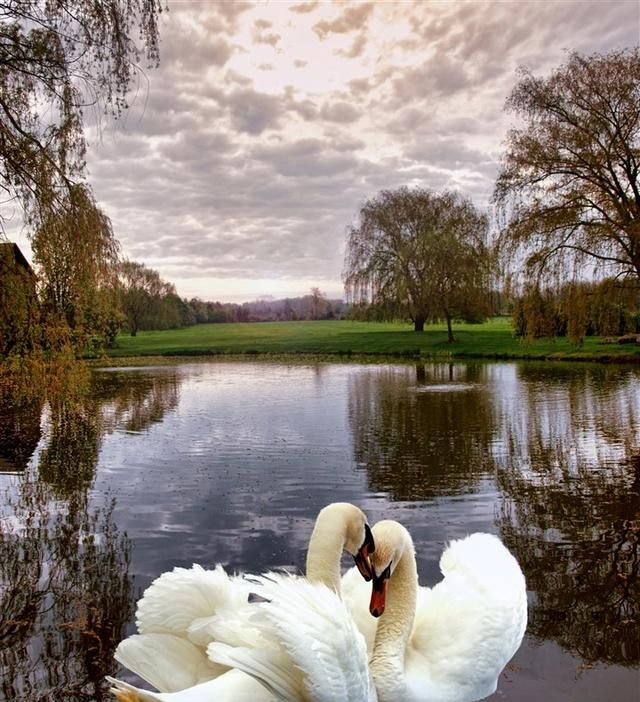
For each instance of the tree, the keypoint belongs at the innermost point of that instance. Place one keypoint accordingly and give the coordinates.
(318, 304)
(142, 292)
(76, 254)
(420, 255)
(56, 60)
(568, 183)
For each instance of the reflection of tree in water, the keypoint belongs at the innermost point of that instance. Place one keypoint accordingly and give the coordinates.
(65, 596)
(133, 401)
(20, 426)
(65, 593)
(571, 513)
(421, 431)
(77, 423)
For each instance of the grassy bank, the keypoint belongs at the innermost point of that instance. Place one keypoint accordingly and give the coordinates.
(492, 339)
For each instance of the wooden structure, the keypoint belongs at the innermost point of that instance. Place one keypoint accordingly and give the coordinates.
(19, 310)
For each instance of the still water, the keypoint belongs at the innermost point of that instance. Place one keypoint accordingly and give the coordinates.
(230, 462)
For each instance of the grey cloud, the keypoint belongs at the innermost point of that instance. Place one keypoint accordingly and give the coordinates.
(304, 7)
(447, 152)
(354, 17)
(253, 112)
(340, 112)
(356, 49)
(306, 158)
(360, 86)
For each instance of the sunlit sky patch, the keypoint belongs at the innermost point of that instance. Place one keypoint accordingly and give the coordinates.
(246, 155)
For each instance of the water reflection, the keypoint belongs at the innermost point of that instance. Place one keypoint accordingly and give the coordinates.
(422, 431)
(571, 512)
(66, 595)
(19, 428)
(560, 443)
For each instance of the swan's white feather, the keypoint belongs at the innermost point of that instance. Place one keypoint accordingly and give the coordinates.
(233, 686)
(166, 661)
(184, 601)
(469, 625)
(313, 644)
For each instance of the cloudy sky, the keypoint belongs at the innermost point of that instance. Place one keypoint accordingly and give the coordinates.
(246, 155)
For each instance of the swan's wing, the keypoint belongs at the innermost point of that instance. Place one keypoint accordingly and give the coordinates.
(315, 651)
(185, 601)
(166, 661)
(233, 686)
(470, 624)
(356, 594)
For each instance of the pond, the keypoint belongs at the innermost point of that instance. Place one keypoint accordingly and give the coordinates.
(230, 462)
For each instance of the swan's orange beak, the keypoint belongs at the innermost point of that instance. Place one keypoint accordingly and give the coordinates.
(362, 557)
(379, 590)
(378, 595)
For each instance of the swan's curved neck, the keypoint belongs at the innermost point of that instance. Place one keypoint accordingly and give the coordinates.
(325, 550)
(394, 629)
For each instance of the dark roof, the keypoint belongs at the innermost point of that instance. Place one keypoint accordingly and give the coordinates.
(18, 256)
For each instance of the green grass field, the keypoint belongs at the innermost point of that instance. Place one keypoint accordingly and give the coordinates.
(492, 339)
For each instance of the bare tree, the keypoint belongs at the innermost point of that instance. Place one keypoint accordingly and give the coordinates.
(568, 184)
(419, 255)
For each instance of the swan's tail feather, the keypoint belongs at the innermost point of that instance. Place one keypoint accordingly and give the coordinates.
(270, 668)
(124, 692)
(168, 662)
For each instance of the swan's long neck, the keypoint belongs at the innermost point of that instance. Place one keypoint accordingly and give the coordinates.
(325, 550)
(394, 629)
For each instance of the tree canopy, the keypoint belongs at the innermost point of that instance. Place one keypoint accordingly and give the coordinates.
(142, 292)
(568, 184)
(76, 255)
(57, 59)
(419, 255)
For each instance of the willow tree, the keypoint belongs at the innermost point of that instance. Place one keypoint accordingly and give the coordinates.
(76, 256)
(568, 184)
(421, 256)
(58, 59)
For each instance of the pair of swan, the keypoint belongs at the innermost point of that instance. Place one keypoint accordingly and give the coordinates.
(313, 639)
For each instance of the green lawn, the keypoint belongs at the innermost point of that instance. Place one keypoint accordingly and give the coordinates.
(492, 339)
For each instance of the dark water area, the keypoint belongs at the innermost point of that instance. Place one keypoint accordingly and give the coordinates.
(208, 463)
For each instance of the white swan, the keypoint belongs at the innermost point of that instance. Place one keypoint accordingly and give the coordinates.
(184, 610)
(457, 636)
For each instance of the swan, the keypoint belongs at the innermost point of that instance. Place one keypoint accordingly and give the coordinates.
(448, 643)
(185, 610)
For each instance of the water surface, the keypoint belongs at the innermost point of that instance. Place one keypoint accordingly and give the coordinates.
(230, 462)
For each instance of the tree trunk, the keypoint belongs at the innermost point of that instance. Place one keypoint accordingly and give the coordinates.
(418, 324)
(449, 330)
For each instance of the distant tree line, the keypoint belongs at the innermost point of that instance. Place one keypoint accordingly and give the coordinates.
(151, 303)
(313, 306)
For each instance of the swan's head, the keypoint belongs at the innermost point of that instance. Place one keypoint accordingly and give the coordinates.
(358, 540)
(392, 541)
